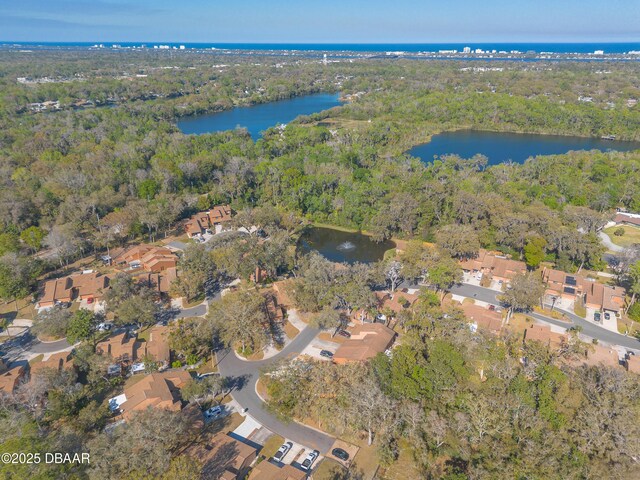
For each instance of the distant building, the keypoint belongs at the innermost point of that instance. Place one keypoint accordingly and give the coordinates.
(149, 257)
(86, 286)
(366, 341)
(494, 266)
(466, 50)
(10, 378)
(203, 221)
(624, 218)
(575, 287)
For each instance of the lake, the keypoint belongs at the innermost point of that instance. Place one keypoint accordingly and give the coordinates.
(339, 246)
(259, 118)
(499, 147)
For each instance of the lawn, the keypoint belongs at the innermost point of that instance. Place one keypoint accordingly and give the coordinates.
(290, 331)
(404, 468)
(631, 235)
(328, 470)
(271, 446)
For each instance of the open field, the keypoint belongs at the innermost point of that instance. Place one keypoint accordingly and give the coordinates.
(631, 235)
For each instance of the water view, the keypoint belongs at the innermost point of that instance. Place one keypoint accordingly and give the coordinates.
(259, 118)
(339, 246)
(500, 147)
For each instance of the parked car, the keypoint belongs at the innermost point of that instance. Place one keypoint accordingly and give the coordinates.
(104, 327)
(597, 316)
(326, 354)
(213, 412)
(344, 333)
(200, 376)
(340, 453)
(137, 367)
(308, 462)
(282, 451)
(492, 307)
(607, 316)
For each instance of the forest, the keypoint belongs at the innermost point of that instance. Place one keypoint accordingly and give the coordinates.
(110, 167)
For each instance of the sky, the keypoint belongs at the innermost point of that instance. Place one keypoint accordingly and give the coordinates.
(326, 21)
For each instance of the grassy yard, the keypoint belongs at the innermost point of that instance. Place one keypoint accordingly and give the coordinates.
(631, 235)
(328, 470)
(271, 446)
(404, 468)
(290, 331)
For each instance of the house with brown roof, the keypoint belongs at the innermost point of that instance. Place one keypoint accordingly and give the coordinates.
(270, 471)
(544, 335)
(576, 287)
(149, 257)
(223, 457)
(624, 218)
(57, 361)
(483, 317)
(85, 286)
(157, 390)
(121, 347)
(157, 345)
(493, 266)
(275, 311)
(366, 341)
(600, 355)
(10, 378)
(199, 223)
(160, 281)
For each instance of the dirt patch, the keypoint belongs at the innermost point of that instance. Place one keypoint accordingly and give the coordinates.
(290, 331)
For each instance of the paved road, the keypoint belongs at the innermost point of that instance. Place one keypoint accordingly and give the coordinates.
(231, 366)
(22, 347)
(588, 328)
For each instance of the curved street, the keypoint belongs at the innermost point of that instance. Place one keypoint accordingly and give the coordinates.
(245, 374)
(490, 296)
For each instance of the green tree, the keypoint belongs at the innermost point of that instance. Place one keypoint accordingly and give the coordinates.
(534, 251)
(33, 237)
(524, 292)
(82, 326)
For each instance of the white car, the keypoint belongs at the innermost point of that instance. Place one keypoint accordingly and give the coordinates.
(213, 412)
(282, 451)
(308, 462)
(137, 367)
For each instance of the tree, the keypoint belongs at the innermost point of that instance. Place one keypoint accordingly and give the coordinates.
(460, 241)
(82, 326)
(240, 319)
(9, 242)
(445, 273)
(33, 238)
(199, 390)
(393, 274)
(327, 319)
(140, 309)
(534, 251)
(121, 287)
(634, 282)
(191, 336)
(52, 322)
(198, 269)
(17, 276)
(524, 292)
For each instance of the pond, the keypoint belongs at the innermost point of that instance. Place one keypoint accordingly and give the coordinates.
(349, 247)
(259, 118)
(500, 147)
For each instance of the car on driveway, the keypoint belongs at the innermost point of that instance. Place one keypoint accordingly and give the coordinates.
(597, 316)
(308, 462)
(326, 354)
(340, 453)
(344, 333)
(607, 316)
(213, 412)
(282, 451)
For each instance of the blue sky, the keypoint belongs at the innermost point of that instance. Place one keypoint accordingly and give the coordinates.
(327, 21)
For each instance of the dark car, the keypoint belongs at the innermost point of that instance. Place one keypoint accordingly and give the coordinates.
(326, 354)
(340, 453)
(597, 316)
(344, 333)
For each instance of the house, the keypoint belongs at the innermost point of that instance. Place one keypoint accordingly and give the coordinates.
(121, 347)
(601, 355)
(223, 457)
(544, 335)
(157, 390)
(10, 378)
(575, 287)
(157, 346)
(396, 301)
(149, 257)
(86, 286)
(493, 266)
(275, 311)
(199, 223)
(160, 281)
(632, 363)
(483, 318)
(270, 471)
(57, 361)
(625, 218)
(366, 341)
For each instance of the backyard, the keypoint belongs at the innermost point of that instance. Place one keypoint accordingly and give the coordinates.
(631, 235)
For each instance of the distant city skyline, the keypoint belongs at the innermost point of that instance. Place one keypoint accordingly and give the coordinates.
(329, 21)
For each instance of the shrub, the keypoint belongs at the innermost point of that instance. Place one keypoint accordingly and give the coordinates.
(192, 359)
(176, 364)
(618, 232)
(634, 312)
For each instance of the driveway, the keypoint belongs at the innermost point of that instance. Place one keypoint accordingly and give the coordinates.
(589, 329)
(246, 375)
(606, 241)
